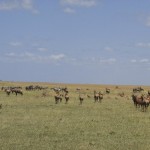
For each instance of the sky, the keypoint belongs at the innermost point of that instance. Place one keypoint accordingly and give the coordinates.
(75, 41)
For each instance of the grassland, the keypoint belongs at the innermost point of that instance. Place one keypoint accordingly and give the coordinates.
(35, 122)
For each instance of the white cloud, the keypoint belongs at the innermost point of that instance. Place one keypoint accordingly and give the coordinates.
(69, 10)
(70, 5)
(107, 48)
(8, 5)
(143, 45)
(27, 4)
(83, 3)
(17, 4)
(133, 60)
(27, 56)
(57, 57)
(15, 43)
(108, 61)
(145, 60)
(42, 49)
(97, 61)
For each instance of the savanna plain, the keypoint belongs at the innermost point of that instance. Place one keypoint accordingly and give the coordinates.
(33, 121)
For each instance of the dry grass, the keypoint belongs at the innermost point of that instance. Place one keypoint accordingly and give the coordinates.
(34, 121)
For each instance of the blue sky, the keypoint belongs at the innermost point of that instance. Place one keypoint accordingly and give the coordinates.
(75, 41)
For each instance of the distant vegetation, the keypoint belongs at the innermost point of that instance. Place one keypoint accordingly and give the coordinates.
(106, 119)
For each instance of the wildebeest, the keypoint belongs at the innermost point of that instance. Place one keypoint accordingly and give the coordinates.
(107, 90)
(148, 92)
(121, 94)
(17, 91)
(66, 98)
(98, 96)
(141, 101)
(81, 98)
(138, 89)
(8, 91)
(57, 98)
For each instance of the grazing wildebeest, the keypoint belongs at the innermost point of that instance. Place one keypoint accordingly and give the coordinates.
(78, 89)
(17, 91)
(121, 94)
(138, 89)
(107, 91)
(88, 96)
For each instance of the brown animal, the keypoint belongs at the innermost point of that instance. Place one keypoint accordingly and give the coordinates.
(17, 91)
(81, 98)
(8, 91)
(141, 101)
(66, 98)
(57, 98)
(107, 91)
(121, 94)
(148, 92)
(88, 96)
(98, 96)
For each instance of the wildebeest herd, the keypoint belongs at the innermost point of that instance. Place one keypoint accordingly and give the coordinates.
(140, 100)
(15, 90)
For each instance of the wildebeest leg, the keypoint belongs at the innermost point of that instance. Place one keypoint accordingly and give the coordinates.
(16, 93)
(60, 99)
(66, 101)
(56, 100)
(80, 102)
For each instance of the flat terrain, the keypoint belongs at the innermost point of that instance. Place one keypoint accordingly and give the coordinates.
(34, 122)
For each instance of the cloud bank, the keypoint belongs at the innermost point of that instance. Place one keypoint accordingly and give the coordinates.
(9, 5)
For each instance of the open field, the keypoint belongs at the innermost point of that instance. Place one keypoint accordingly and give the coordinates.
(34, 122)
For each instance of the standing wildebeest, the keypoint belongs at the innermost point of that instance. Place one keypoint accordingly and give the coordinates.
(66, 98)
(98, 96)
(141, 101)
(57, 98)
(81, 98)
(8, 91)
